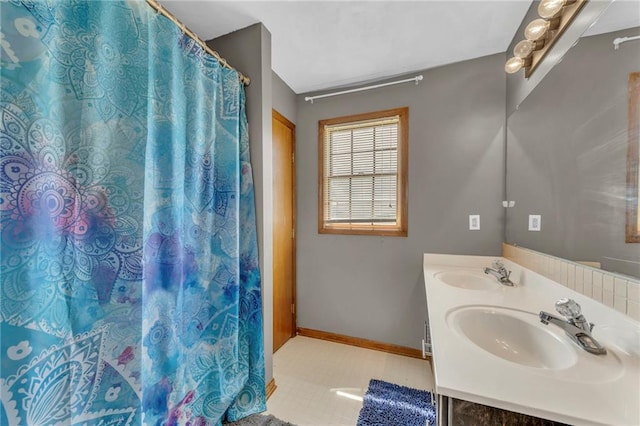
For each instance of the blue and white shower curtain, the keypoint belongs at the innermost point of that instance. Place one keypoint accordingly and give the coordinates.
(130, 283)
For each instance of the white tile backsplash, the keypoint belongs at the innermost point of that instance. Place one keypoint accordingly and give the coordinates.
(587, 279)
(596, 293)
(607, 298)
(557, 271)
(571, 277)
(607, 283)
(633, 309)
(633, 291)
(549, 267)
(597, 286)
(620, 304)
(620, 287)
(616, 291)
(579, 287)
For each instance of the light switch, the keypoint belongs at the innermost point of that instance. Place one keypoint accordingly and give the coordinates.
(474, 222)
(535, 222)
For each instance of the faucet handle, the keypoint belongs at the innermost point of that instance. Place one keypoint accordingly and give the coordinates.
(568, 308)
(497, 264)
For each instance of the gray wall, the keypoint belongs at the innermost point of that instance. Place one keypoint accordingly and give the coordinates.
(284, 99)
(249, 50)
(567, 153)
(372, 287)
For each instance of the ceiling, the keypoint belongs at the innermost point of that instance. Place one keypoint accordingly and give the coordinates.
(326, 44)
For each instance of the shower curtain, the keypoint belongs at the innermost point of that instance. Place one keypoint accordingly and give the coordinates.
(130, 283)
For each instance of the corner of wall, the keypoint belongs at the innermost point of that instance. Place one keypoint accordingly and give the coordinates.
(284, 98)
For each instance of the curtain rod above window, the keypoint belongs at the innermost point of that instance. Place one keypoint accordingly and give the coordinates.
(164, 12)
(415, 79)
(617, 42)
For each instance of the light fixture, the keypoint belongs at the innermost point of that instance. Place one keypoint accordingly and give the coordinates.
(537, 29)
(524, 48)
(541, 33)
(514, 65)
(549, 9)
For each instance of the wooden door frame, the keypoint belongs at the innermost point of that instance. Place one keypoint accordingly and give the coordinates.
(294, 218)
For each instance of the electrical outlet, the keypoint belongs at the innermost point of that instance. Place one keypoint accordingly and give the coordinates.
(535, 222)
(474, 222)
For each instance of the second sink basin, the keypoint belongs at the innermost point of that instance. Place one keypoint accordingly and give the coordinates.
(470, 280)
(512, 335)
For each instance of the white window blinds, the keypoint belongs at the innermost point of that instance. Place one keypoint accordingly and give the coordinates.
(361, 172)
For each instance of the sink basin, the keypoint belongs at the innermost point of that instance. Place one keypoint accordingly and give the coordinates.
(469, 280)
(512, 335)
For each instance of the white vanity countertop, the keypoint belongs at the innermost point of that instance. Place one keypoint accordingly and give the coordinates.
(596, 390)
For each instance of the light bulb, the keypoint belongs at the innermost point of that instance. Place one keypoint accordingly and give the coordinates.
(536, 29)
(549, 9)
(514, 65)
(524, 48)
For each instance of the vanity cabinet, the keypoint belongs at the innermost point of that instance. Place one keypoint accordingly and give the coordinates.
(457, 412)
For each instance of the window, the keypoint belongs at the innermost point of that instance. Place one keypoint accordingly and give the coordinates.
(633, 161)
(363, 174)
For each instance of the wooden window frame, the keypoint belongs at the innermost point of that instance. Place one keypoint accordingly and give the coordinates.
(632, 232)
(400, 228)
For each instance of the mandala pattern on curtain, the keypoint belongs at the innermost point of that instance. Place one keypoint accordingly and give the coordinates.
(130, 283)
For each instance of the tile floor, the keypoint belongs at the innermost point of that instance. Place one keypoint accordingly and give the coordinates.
(321, 383)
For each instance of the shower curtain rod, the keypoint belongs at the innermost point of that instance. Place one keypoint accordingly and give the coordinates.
(617, 42)
(415, 79)
(164, 12)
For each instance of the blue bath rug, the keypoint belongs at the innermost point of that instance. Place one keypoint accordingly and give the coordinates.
(386, 404)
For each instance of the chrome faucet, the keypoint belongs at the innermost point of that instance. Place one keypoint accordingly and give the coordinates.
(500, 273)
(575, 325)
